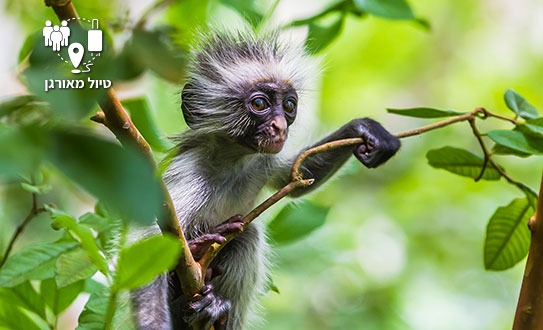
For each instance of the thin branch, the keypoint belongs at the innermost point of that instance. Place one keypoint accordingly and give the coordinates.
(483, 146)
(215, 248)
(34, 211)
(297, 180)
(529, 315)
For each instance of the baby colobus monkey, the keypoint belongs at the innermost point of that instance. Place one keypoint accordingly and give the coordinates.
(239, 100)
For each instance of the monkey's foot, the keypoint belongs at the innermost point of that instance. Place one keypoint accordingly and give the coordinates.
(207, 309)
(199, 246)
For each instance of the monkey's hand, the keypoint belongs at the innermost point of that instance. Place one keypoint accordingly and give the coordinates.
(207, 309)
(199, 245)
(378, 146)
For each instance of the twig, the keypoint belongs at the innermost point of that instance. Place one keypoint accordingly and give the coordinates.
(529, 315)
(34, 211)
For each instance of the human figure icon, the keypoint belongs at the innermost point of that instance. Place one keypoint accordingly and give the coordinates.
(47, 33)
(56, 38)
(65, 30)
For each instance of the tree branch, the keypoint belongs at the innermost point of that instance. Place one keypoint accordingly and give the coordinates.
(529, 314)
(298, 181)
(118, 121)
(34, 211)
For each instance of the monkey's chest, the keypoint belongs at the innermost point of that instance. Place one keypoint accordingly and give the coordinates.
(230, 196)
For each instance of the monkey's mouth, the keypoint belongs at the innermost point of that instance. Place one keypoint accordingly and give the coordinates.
(269, 145)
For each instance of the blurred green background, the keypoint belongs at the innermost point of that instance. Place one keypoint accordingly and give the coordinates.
(402, 247)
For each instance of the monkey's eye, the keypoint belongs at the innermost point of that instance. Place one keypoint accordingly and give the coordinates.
(259, 104)
(289, 105)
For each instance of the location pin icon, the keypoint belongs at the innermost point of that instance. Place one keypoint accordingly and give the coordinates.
(76, 51)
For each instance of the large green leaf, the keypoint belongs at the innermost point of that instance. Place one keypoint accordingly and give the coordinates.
(120, 176)
(12, 317)
(74, 266)
(519, 105)
(322, 34)
(296, 220)
(393, 9)
(246, 9)
(94, 313)
(142, 116)
(533, 126)
(82, 233)
(424, 112)
(461, 162)
(24, 295)
(143, 261)
(36, 262)
(157, 51)
(58, 299)
(518, 141)
(507, 235)
(14, 162)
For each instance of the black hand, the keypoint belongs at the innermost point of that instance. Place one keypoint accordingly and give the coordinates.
(379, 145)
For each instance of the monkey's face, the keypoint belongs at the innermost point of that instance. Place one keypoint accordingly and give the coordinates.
(272, 107)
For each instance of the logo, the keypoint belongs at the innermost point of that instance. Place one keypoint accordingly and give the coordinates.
(77, 48)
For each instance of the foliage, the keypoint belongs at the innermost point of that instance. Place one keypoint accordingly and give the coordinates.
(41, 280)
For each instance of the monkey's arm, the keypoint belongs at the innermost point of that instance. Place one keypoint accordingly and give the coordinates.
(379, 145)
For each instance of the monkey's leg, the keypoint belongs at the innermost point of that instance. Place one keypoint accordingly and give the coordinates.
(150, 305)
(243, 261)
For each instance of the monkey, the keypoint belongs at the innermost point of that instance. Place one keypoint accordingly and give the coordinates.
(239, 101)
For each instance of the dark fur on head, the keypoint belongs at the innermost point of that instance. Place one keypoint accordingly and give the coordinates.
(224, 67)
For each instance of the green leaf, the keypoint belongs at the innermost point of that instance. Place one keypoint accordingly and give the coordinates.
(518, 141)
(507, 235)
(393, 9)
(157, 51)
(36, 262)
(94, 313)
(40, 190)
(82, 233)
(58, 299)
(13, 162)
(296, 220)
(12, 317)
(424, 112)
(141, 262)
(24, 295)
(246, 10)
(519, 105)
(533, 126)
(321, 35)
(270, 285)
(142, 116)
(461, 162)
(28, 45)
(120, 176)
(13, 104)
(74, 266)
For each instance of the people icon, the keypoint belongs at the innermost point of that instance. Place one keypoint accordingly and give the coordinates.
(65, 30)
(56, 38)
(47, 33)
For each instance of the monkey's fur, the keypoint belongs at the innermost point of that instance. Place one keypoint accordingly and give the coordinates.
(238, 102)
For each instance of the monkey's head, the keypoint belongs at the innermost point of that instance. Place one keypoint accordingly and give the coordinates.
(244, 87)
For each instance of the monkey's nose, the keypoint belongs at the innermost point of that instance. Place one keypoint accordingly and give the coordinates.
(279, 125)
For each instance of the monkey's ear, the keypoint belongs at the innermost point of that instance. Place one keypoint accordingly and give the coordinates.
(186, 106)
